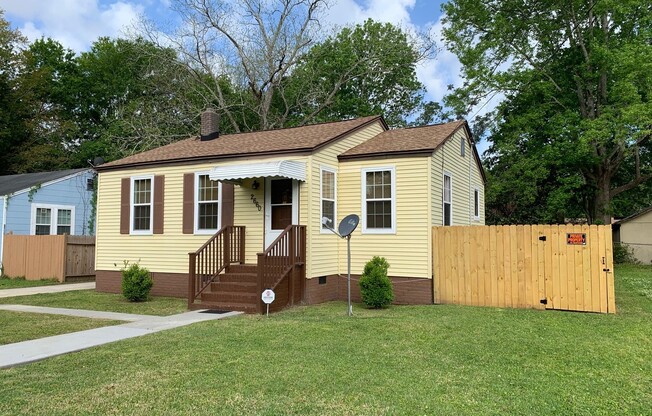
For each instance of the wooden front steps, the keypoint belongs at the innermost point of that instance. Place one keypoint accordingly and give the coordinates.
(235, 290)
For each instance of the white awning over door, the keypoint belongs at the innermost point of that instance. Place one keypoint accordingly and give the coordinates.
(283, 169)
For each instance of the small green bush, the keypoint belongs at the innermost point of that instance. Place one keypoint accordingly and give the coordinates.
(623, 254)
(375, 287)
(136, 282)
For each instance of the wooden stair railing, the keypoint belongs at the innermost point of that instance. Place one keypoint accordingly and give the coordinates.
(227, 246)
(286, 256)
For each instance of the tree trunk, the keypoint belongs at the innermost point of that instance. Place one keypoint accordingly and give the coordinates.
(602, 200)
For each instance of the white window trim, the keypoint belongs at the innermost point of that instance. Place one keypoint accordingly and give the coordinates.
(443, 201)
(476, 190)
(332, 170)
(151, 204)
(54, 217)
(363, 194)
(196, 228)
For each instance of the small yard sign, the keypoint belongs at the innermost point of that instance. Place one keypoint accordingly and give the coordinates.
(576, 239)
(268, 297)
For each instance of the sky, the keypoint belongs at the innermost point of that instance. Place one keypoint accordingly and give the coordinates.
(77, 23)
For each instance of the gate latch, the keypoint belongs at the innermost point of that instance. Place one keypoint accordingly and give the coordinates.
(542, 238)
(544, 301)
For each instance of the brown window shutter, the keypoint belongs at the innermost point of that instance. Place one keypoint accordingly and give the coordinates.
(159, 197)
(227, 204)
(125, 194)
(188, 203)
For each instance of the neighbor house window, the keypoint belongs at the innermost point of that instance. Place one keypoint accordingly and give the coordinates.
(448, 199)
(378, 200)
(328, 191)
(476, 203)
(207, 204)
(141, 205)
(462, 147)
(52, 219)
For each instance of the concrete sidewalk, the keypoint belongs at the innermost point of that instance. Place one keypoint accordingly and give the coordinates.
(12, 355)
(26, 291)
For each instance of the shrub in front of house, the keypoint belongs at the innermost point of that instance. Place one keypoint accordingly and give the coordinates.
(136, 282)
(623, 254)
(375, 287)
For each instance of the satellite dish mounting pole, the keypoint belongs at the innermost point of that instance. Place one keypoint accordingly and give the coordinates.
(348, 279)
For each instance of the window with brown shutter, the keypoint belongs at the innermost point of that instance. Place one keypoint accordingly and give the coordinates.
(125, 198)
(188, 203)
(159, 197)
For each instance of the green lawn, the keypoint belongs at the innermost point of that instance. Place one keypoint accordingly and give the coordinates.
(444, 360)
(20, 326)
(90, 299)
(12, 283)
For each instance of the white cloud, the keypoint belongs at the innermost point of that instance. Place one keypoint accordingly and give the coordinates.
(343, 12)
(74, 23)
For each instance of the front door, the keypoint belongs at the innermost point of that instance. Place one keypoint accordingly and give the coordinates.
(281, 206)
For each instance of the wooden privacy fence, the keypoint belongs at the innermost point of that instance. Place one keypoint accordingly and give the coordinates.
(525, 266)
(61, 257)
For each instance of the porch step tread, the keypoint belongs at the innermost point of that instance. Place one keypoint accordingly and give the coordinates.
(238, 277)
(222, 296)
(234, 286)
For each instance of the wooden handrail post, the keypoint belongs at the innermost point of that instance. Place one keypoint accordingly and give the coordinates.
(260, 269)
(227, 245)
(242, 245)
(292, 253)
(191, 278)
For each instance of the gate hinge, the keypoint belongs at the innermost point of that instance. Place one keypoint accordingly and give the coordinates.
(542, 238)
(544, 301)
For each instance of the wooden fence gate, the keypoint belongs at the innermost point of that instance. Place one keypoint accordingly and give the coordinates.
(567, 267)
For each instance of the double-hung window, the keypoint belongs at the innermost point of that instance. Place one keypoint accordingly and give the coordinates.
(447, 199)
(207, 204)
(141, 204)
(379, 200)
(52, 219)
(328, 201)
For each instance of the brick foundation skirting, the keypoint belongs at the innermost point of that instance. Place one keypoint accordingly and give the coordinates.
(165, 284)
(407, 290)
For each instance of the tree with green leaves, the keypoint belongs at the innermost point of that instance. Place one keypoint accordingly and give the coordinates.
(362, 70)
(577, 113)
(13, 105)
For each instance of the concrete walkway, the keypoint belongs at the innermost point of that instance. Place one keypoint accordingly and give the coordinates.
(12, 355)
(26, 291)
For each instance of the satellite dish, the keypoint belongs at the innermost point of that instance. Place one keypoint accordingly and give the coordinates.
(98, 161)
(348, 225)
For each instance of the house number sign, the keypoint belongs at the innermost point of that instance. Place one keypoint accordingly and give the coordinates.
(256, 203)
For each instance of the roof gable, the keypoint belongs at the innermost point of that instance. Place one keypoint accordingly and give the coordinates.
(634, 216)
(10, 184)
(424, 140)
(269, 142)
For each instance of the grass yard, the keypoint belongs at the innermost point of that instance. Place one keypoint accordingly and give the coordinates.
(17, 282)
(444, 360)
(21, 326)
(109, 302)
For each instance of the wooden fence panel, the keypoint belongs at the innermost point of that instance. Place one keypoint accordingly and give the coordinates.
(48, 256)
(525, 266)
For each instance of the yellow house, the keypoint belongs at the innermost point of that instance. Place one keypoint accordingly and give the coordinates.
(220, 218)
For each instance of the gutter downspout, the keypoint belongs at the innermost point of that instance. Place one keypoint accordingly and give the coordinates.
(3, 227)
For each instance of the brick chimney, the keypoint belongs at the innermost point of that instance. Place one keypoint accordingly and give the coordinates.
(210, 125)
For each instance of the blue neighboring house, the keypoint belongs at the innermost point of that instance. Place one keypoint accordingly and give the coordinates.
(47, 203)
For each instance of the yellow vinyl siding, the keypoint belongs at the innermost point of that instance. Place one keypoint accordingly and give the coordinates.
(407, 250)
(466, 177)
(168, 252)
(323, 254)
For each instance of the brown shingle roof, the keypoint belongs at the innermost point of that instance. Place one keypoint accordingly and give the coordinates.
(405, 141)
(290, 140)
